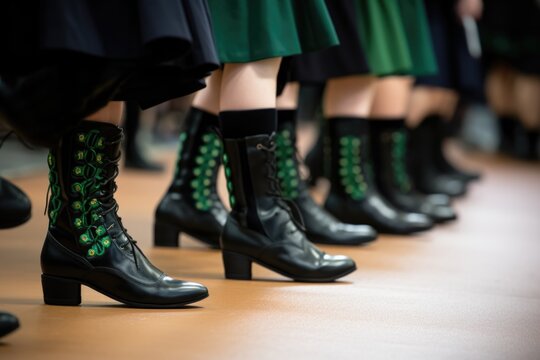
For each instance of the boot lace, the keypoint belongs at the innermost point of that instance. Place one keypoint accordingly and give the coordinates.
(96, 174)
(274, 188)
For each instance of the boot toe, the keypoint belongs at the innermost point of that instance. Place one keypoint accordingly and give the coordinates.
(15, 206)
(439, 199)
(444, 213)
(451, 187)
(358, 234)
(336, 266)
(8, 323)
(418, 222)
(183, 292)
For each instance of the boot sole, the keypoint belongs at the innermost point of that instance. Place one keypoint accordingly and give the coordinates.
(67, 292)
(322, 240)
(14, 223)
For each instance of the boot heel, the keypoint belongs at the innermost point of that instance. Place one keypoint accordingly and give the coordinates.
(60, 291)
(166, 235)
(236, 266)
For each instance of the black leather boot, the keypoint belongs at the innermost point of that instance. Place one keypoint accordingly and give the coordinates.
(389, 149)
(318, 162)
(428, 178)
(261, 227)
(191, 204)
(441, 161)
(320, 226)
(86, 242)
(354, 197)
(8, 323)
(15, 206)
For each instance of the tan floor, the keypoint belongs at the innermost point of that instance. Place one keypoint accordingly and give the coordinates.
(468, 290)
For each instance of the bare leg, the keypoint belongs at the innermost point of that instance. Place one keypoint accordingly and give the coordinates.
(207, 99)
(500, 90)
(288, 100)
(392, 96)
(112, 113)
(527, 100)
(427, 100)
(349, 96)
(249, 85)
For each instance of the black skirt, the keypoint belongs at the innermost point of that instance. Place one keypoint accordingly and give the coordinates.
(343, 60)
(457, 69)
(167, 44)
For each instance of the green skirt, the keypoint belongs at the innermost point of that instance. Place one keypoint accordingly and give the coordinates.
(396, 38)
(251, 30)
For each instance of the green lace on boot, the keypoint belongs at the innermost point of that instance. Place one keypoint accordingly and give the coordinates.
(399, 160)
(352, 178)
(89, 178)
(206, 163)
(55, 202)
(230, 189)
(287, 171)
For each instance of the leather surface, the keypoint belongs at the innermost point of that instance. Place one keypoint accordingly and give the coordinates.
(122, 272)
(276, 240)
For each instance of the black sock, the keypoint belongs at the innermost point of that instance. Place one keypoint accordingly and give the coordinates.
(205, 116)
(286, 117)
(243, 123)
(386, 124)
(342, 126)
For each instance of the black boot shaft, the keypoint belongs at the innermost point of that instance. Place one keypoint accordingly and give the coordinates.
(320, 226)
(425, 154)
(290, 180)
(81, 174)
(199, 157)
(389, 141)
(192, 204)
(351, 165)
(392, 174)
(354, 196)
(255, 194)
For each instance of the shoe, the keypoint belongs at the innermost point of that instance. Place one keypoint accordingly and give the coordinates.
(192, 204)
(320, 226)
(261, 227)
(354, 197)
(86, 243)
(15, 206)
(429, 179)
(389, 149)
(8, 323)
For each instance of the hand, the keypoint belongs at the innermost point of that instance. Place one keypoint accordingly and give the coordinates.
(473, 8)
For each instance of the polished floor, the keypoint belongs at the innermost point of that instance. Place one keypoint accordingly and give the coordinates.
(467, 290)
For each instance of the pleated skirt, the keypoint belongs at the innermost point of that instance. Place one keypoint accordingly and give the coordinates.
(251, 30)
(346, 59)
(169, 44)
(396, 38)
